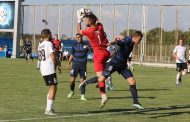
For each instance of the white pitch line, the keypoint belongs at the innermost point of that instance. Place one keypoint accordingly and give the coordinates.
(68, 116)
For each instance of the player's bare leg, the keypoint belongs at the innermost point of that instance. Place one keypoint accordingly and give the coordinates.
(50, 99)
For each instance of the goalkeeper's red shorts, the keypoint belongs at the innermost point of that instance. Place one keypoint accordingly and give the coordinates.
(100, 58)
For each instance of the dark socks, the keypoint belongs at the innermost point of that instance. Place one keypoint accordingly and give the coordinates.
(92, 80)
(72, 87)
(134, 94)
(83, 90)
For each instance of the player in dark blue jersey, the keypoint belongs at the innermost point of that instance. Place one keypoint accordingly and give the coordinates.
(28, 50)
(79, 61)
(119, 63)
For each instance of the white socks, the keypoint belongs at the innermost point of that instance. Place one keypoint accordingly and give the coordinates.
(49, 105)
(183, 73)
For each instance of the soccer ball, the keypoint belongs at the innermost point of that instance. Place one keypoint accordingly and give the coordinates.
(83, 12)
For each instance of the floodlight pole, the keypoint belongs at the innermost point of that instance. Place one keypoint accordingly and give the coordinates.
(161, 33)
(34, 27)
(177, 23)
(100, 13)
(143, 31)
(46, 15)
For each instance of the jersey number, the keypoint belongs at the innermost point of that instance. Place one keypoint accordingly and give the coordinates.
(42, 56)
(99, 38)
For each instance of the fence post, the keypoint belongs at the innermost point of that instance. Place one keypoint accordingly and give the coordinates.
(128, 17)
(59, 22)
(161, 27)
(177, 23)
(34, 29)
(114, 8)
(73, 24)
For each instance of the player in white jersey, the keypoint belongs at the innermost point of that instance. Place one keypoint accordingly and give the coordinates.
(48, 61)
(38, 62)
(188, 59)
(179, 53)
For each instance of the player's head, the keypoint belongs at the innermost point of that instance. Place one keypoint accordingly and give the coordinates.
(79, 37)
(181, 41)
(46, 34)
(90, 19)
(56, 36)
(137, 37)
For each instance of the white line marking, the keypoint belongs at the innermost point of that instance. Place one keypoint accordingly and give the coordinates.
(68, 116)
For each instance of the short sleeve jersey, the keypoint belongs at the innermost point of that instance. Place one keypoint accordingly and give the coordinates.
(97, 37)
(57, 44)
(126, 46)
(47, 66)
(180, 52)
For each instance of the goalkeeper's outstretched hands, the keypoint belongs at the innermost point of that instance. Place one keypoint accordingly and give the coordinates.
(81, 13)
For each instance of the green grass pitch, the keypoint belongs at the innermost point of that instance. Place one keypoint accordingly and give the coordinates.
(23, 96)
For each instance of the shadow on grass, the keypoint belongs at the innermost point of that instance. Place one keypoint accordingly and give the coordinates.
(150, 111)
(145, 90)
(173, 113)
(153, 113)
(111, 98)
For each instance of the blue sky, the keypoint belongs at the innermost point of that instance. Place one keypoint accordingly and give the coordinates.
(153, 15)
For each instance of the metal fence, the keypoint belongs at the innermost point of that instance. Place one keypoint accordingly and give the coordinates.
(115, 18)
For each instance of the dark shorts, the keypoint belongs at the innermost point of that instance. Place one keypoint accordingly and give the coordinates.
(121, 69)
(181, 66)
(78, 68)
(57, 54)
(188, 61)
(129, 59)
(50, 79)
(28, 51)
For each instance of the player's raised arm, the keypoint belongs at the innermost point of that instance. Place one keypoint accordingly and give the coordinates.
(81, 13)
(118, 38)
(79, 28)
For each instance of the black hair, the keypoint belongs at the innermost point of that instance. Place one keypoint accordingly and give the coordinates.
(78, 34)
(45, 33)
(92, 18)
(181, 38)
(137, 33)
